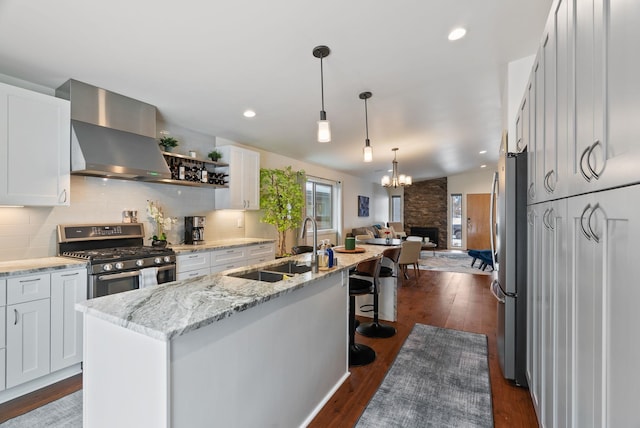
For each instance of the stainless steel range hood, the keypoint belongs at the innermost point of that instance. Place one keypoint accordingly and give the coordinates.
(112, 135)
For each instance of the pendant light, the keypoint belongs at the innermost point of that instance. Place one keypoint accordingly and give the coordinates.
(396, 180)
(367, 151)
(324, 129)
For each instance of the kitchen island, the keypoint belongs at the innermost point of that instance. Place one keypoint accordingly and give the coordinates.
(218, 350)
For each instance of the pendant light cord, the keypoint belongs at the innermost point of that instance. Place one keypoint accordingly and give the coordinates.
(322, 82)
(366, 120)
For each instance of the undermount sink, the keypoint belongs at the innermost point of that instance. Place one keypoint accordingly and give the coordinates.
(274, 273)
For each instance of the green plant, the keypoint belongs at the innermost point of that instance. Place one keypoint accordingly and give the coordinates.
(168, 142)
(282, 201)
(214, 155)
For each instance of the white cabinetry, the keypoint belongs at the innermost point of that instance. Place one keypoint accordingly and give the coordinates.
(67, 289)
(28, 322)
(192, 265)
(34, 148)
(3, 314)
(584, 220)
(201, 263)
(244, 179)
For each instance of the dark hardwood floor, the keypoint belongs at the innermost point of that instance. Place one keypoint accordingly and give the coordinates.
(443, 299)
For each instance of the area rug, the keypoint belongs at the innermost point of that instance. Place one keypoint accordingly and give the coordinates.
(440, 378)
(66, 412)
(450, 261)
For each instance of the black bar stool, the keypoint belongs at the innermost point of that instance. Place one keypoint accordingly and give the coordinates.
(375, 329)
(359, 354)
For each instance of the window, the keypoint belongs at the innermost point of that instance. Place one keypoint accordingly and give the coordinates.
(396, 208)
(319, 202)
(456, 220)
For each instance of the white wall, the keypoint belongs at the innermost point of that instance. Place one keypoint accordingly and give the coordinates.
(467, 183)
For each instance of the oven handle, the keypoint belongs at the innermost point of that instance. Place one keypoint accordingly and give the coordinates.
(130, 274)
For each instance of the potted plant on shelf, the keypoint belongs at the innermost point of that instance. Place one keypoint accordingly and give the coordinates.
(168, 143)
(215, 155)
(282, 201)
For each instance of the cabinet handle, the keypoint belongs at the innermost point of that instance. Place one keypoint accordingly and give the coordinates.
(547, 182)
(64, 195)
(15, 313)
(70, 274)
(593, 172)
(532, 192)
(585, 176)
(544, 218)
(195, 256)
(550, 221)
(593, 210)
(582, 222)
(25, 281)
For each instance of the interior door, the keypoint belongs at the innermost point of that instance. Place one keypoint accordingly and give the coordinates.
(478, 228)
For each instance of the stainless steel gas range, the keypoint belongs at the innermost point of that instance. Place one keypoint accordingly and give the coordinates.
(118, 260)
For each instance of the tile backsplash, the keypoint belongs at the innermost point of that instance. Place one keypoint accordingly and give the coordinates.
(31, 231)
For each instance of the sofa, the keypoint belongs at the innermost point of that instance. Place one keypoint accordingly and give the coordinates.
(377, 231)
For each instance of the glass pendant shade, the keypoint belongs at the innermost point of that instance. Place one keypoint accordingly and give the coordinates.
(367, 153)
(324, 131)
(386, 181)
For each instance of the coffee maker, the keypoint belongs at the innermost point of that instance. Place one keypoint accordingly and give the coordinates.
(194, 229)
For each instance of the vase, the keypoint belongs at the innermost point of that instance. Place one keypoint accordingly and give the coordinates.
(168, 149)
(388, 240)
(159, 243)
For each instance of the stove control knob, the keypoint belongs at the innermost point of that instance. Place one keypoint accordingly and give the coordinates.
(167, 259)
(119, 265)
(157, 260)
(107, 267)
(139, 262)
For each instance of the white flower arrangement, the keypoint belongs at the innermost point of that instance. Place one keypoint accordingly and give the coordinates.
(154, 211)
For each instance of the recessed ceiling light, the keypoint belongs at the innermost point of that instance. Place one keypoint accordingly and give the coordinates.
(249, 113)
(457, 34)
(483, 166)
(483, 152)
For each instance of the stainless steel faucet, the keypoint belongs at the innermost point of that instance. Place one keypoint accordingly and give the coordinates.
(303, 234)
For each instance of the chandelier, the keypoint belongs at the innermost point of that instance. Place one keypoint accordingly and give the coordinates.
(396, 180)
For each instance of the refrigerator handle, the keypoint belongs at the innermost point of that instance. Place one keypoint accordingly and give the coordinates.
(492, 218)
(497, 291)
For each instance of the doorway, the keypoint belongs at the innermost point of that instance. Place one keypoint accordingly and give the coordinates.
(478, 227)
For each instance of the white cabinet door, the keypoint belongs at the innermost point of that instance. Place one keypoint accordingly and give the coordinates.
(67, 289)
(3, 359)
(530, 125)
(27, 341)
(34, 148)
(192, 274)
(244, 179)
(229, 256)
(534, 306)
(604, 231)
(606, 150)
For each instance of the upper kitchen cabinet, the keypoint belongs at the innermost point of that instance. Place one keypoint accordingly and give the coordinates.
(244, 179)
(34, 147)
(606, 149)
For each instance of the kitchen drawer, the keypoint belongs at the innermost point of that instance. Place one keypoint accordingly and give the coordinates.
(3, 292)
(28, 288)
(229, 256)
(192, 274)
(3, 319)
(261, 251)
(193, 261)
(229, 265)
(259, 259)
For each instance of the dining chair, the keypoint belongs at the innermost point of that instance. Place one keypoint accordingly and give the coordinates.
(409, 255)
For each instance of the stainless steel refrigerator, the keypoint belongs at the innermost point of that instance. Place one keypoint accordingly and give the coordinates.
(509, 248)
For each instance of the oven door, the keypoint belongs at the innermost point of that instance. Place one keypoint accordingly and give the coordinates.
(104, 284)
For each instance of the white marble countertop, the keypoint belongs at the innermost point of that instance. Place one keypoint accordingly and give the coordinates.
(219, 244)
(175, 308)
(28, 266)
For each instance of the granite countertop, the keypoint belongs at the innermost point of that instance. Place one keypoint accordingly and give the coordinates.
(176, 308)
(219, 245)
(28, 266)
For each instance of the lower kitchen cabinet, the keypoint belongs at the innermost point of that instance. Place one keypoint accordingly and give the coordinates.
(582, 346)
(192, 265)
(67, 289)
(27, 341)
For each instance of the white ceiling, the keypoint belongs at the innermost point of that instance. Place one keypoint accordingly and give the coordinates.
(202, 63)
